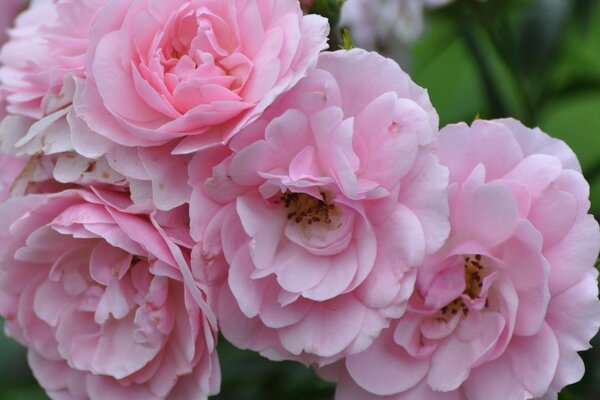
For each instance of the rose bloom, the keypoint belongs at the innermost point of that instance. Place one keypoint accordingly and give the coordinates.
(502, 310)
(44, 54)
(99, 296)
(45, 50)
(40, 84)
(203, 69)
(322, 209)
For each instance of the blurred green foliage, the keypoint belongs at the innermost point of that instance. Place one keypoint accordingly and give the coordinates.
(536, 60)
(247, 376)
(16, 381)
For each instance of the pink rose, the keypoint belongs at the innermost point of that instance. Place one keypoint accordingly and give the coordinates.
(502, 310)
(103, 299)
(45, 53)
(46, 47)
(322, 209)
(201, 69)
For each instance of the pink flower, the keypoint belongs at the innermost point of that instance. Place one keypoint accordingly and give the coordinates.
(45, 53)
(322, 209)
(201, 69)
(103, 299)
(501, 311)
(45, 49)
(40, 86)
(40, 61)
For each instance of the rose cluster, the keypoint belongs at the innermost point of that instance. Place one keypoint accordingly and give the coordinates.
(171, 170)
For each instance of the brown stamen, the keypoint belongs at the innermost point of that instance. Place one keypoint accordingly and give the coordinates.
(305, 208)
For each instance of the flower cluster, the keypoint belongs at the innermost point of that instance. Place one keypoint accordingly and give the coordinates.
(171, 170)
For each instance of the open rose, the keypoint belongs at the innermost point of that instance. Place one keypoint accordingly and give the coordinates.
(501, 311)
(159, 70)
(97, 294)
(322, 210)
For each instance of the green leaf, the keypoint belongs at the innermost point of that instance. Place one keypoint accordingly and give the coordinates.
(347, 42)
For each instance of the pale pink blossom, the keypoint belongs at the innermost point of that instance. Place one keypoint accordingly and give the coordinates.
(44, 55)
(40, 84)
(322, 210)
(199, 69)
(45, 50)
(502, 310)
(81, 147)
(103, 298)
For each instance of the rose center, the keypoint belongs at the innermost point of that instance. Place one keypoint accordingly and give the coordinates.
(473, 278)
(303, 208)
(473, 284)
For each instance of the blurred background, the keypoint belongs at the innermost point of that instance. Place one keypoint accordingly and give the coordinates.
(535, 60)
